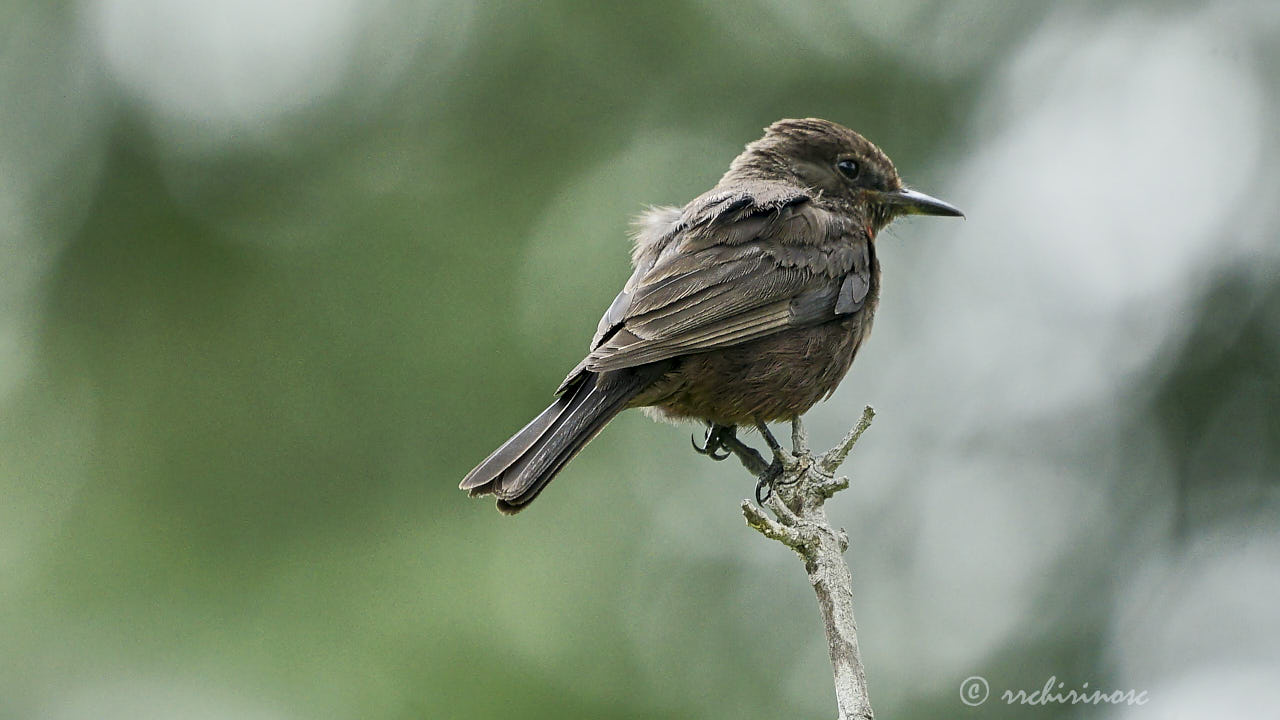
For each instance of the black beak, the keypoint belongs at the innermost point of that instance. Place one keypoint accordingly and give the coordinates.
(910, 202)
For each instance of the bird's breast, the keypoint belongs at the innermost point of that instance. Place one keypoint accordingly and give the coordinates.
(778, 377)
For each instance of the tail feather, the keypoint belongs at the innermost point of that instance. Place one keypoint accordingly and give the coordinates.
(517, 446)
(518, 470)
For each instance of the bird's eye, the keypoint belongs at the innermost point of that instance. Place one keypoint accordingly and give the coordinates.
(848, 168)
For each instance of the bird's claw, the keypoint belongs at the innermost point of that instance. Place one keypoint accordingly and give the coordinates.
(714, 445)
(710, 449)
(771, 479)
(764, 485)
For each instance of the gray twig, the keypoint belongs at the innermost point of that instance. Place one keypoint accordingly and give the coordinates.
(800, 485)
(834, 458)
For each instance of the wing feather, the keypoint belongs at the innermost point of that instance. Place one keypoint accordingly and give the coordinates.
(749, 325)
(733, 267)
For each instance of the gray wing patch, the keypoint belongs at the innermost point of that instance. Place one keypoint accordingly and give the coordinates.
(853, 292)
(854, 288)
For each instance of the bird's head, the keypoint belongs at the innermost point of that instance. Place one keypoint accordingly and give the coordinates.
(838, 163)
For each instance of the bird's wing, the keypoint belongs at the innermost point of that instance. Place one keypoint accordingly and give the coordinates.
(737, 266)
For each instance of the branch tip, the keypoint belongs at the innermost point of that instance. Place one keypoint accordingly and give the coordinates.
(835, 457)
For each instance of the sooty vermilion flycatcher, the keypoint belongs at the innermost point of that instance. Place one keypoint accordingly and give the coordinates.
(746, 306)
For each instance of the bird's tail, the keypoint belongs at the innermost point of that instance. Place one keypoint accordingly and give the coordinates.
(522, 467)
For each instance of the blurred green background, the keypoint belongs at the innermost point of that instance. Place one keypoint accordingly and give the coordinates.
(276, 275)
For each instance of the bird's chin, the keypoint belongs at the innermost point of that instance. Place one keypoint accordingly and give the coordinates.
(879, 218)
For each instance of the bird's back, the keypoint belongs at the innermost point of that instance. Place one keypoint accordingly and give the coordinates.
(774, 378)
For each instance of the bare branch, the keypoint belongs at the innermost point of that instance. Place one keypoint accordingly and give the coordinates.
(769, 527)
(834, 458)
(800, 484)
(799, 440)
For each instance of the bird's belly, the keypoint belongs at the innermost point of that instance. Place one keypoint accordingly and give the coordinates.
(775, 378)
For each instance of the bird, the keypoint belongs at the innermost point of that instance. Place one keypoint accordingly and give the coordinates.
(746, 306)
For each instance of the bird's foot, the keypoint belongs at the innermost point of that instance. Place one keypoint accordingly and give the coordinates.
(783, 461)
(715, 444)
(764, 484)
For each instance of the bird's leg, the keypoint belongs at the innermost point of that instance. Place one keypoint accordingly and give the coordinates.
(771, 441)
(717, 439)
(781, 460)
